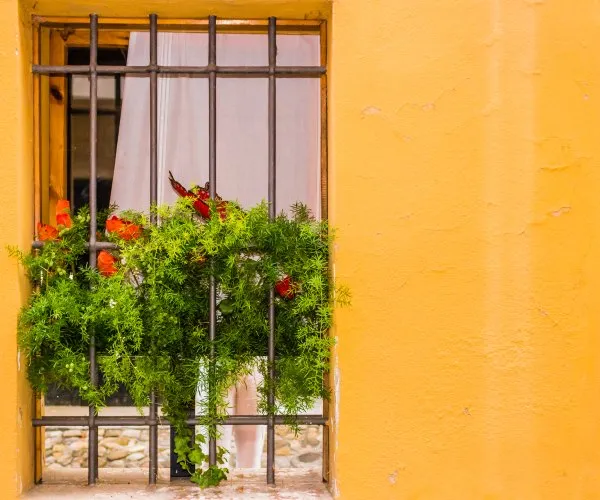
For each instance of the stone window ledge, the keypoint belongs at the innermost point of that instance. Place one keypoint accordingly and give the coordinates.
(291, 484)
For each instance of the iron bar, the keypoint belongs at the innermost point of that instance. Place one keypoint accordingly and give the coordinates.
(98, 245)
(186, 24)
(70, 177)
(212, 180)
(272, 181)
(136, 421)
(93, 426)
(118, 104)
(153, 430)
(86, 111)
(205, 71)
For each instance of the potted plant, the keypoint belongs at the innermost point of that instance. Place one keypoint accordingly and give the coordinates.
(147, 306)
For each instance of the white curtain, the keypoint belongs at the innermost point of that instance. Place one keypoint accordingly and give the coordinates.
(242, 138)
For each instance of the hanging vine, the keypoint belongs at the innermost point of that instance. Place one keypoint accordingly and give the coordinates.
(147, 304)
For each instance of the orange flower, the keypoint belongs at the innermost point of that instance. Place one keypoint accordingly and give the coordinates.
(63, 217)
(106, 263)
(123, 228)
(63, 206)
(46, 232)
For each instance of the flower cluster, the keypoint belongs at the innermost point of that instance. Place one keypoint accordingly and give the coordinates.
(46, 232)
(123, 229)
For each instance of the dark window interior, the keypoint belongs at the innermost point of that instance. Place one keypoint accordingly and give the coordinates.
(109, 113)
(78, 124)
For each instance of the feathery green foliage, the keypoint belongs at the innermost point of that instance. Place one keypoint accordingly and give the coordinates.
(150, 319)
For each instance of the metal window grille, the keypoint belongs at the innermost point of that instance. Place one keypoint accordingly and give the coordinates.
(212, 71)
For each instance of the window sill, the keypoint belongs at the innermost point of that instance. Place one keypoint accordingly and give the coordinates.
(132, 483)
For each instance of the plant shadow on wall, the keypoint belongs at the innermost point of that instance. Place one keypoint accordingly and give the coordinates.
(147, 304)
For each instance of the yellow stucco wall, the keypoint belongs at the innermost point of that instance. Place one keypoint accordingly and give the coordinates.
(466, 189)
(16, 183)
(465, 182)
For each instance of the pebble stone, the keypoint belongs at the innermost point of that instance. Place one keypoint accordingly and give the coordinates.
(128, 447)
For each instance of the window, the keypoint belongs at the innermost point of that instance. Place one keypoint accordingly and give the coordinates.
(84, 109)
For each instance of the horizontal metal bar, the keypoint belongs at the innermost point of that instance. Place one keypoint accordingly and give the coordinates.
(141, 23)
(99, 245)
(236, 71)
(100, 112)
(141, 421)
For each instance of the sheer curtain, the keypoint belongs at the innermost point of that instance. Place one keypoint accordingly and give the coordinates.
(242, 140)
(241, 123)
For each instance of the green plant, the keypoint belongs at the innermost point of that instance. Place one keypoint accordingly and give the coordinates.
(149, 310)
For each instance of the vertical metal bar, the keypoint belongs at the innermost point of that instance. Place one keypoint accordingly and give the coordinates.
(118, 104)
(93, 428)
(70, 177)
(153, 428)
(272, 180)
(324, 154)
(212, 179)
(153, 111)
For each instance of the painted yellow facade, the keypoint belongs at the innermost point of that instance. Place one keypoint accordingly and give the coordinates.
(465, 186)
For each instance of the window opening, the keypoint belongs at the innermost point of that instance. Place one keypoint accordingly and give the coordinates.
(102, 69)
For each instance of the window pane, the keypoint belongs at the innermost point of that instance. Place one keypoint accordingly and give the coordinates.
(298, 50)
(242, 50)
(80, 158)
(80, 92)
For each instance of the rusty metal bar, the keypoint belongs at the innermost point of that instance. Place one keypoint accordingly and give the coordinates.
(118, 105)
(201, 25)
(212, 180)
(93, 426)
(272, 194)
(115, 421)
(98, 245)
(198, 71)
(153, 428)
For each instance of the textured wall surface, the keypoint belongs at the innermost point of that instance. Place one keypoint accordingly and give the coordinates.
(16, 228)
(464, 180)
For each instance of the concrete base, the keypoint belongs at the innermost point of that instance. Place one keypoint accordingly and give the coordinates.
(122, 484)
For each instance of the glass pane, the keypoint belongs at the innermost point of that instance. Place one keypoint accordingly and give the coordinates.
(242, 50)
(80, 92)
(242, 141)
(298, 143)
(298, 50)
(80, 158)
(174, 49)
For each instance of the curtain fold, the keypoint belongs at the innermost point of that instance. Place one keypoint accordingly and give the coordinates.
(242, 138)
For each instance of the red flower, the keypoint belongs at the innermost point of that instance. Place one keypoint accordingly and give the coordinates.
(201, 198)
(106, 263)
(285, 288)
(63, 217)
(46, 232)
(123, 228)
